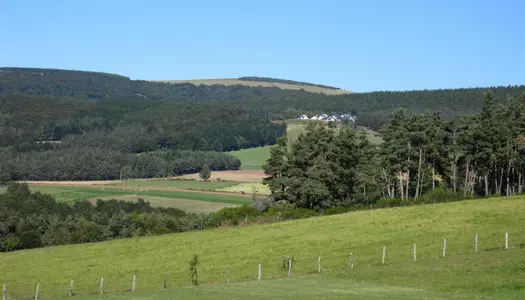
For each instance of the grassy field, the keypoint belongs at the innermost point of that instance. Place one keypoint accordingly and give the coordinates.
(178, 184)
(300, 288)
(492, 273)
(187, 201)
(284, 86)
(253, 158)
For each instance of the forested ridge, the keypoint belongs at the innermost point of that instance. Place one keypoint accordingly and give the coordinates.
(58, 116)
(373, 109)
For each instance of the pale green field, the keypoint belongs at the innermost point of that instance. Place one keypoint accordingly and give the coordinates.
(284, 86)
(261, 189)
(493, 273)
(253, 158)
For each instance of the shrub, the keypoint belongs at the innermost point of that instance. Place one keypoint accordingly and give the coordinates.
(439, 195)
(194, 271)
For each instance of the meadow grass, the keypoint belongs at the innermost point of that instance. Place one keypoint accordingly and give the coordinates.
(253, 158)
(178, 184)
(492, 272)
(73, 193)
(322, 286)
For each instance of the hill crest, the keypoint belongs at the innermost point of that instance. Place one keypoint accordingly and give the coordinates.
(254, 81)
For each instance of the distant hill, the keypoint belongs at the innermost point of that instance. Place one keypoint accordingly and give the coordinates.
(271, 98)
(265, 82)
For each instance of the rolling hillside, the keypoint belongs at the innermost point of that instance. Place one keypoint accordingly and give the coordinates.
(492, 273)
(312, 88)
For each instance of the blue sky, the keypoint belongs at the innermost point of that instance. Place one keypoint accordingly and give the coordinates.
(356, 45)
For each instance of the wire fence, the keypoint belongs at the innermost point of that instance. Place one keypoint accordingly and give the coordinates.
(286, 267)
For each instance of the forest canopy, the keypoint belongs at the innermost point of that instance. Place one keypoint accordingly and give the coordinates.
(482, 154)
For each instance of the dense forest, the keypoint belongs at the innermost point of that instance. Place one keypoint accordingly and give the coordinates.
(51, 121)
(276, 80)
(373, 109)
(51, 138)
(482, 154)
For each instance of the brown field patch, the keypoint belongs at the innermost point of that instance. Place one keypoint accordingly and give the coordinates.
(237, 175)
(284, 86)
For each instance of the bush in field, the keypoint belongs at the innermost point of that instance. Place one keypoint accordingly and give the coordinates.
(205, 172)
(193, 266)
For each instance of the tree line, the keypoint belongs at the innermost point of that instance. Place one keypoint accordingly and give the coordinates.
(97, 163)
(33, 220)
(422, 156)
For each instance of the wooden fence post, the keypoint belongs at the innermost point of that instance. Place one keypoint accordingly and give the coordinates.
(384, 253)
(444, 247)
(4, 293)
(228, 278)
(102, 285)
(506, 240)
(37, 289)
(476, 243)
(133, 283)
(414, 252)
(290, 267)
(164, 284)
(351, 260)
(71, 288)
(319, 264)
(260, 273)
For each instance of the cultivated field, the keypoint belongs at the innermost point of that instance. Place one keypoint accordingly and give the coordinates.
(189, 200)
(492, 273)
(284, 86)
(174, 184)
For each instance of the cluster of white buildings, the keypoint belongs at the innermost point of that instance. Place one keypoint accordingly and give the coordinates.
(331, 118)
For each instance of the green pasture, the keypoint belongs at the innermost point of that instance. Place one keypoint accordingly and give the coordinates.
(177, 199)
(253, 158)
(492, 273)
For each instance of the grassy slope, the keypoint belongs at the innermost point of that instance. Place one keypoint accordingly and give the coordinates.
(301, 288)
(284, 86)
(488, 273)
(252, 159)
